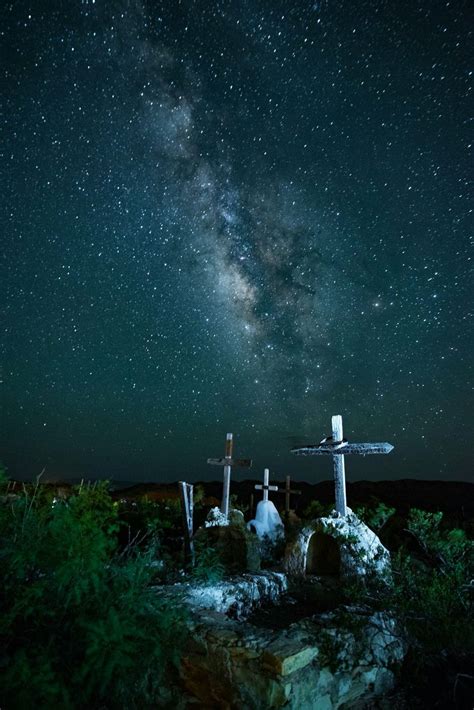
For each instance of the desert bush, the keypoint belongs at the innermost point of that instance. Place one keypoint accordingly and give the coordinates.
(433, 585)
(80, 625)
(430, 594)
(317, 510)
(376, 514)
(208, 567)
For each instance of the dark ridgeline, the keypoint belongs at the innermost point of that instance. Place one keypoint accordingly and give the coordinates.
(455, 498)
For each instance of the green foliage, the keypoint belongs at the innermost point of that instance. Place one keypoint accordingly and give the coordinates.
(199, 495)
(208, 567)
(80, 625)
(375, 515)
(433, 585)
(156, 516)
(316, 510)
(238, 504)
(431, 590)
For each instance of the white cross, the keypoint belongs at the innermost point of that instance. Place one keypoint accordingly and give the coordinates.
(338, 447)
(265, 488)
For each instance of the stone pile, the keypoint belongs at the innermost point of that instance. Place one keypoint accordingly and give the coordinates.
(316, 664)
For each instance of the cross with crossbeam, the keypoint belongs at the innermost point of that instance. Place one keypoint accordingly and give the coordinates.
(266, 487)
(338, 447)
(288, 491)
(227, 462)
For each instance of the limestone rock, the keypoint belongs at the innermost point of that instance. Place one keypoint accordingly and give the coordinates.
(296, 668)
(237, 597)
(215, 518)
(339, 546)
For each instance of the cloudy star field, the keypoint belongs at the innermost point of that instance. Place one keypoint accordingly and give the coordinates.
(235, 216)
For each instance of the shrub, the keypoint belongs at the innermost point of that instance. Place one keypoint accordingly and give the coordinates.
(375, 515)
(80, 625)
(208, 567)
(433, 586)
(317, 510)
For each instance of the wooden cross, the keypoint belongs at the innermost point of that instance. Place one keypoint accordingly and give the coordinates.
(186, 492)
(287, 491)
(227, 462)
(265, 488)
(338, 447)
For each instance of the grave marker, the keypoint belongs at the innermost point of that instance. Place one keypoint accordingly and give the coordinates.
(227, 462)
(288, 492)
(187, 507)
(266, 487)
(338, 447)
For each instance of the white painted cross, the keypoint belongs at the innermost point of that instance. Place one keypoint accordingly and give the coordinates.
(227, 462)
(338, 447)
(265, 488)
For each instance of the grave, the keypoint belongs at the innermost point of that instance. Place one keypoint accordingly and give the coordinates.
(339, 545)
(227, 462)
(338, 447)
(323, 557)
(236, 548)
(267, 522)
(236, 657)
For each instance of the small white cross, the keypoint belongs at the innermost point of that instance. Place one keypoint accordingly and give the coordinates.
(265, 488)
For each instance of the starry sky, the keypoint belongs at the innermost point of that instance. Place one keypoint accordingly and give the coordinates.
(235, 216)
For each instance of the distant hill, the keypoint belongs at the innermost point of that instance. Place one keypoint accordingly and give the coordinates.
(455, 498)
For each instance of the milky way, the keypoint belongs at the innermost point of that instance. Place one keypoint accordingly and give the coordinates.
(236, 217)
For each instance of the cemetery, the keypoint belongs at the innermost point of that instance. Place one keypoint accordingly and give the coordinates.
(270, 635)
(265, 605)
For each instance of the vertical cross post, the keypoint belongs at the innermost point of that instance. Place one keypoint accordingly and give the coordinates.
(186, 493)
(227, 470)
(339, 467)
(227, 462)
(289, 492)
(266, 480)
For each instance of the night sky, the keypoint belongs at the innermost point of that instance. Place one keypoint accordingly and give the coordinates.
(235, 216)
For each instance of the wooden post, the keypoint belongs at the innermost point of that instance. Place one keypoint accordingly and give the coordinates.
(227, 470)
(187, 507)
(339, 467)
(288, 493)
(227, 462)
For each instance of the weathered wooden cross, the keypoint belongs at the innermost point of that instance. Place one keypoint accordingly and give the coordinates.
(266, 487)
(186, 492)
(288, 492)
(338, 447)
(227, 462)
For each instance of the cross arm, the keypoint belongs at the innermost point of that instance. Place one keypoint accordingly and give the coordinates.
(362, 448)
(225, 461)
